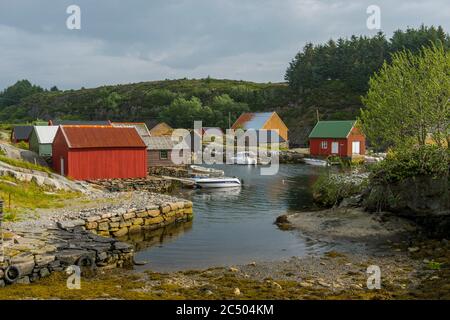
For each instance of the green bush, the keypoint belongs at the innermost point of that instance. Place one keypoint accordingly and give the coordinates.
(427, 160)
(330, 189)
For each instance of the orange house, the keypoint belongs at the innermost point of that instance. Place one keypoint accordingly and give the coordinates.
(263, 121)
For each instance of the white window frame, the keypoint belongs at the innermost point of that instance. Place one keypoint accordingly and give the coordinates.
(324, 145)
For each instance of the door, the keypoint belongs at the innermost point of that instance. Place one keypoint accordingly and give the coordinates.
(335, 147)
(62, 165)
(356, 147)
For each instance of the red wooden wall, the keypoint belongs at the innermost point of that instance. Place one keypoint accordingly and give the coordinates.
(99, 163)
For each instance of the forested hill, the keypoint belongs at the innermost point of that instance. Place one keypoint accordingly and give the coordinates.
(329, 78)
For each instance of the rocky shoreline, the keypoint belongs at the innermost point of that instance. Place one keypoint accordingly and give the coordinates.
(33, 249)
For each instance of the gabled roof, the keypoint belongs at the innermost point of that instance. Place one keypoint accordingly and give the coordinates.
(45, 134)
(141, 127)
(252, 120)
(22, 132)
(332, 129)
(79, 123)
(78, 137)
(161, 128)
(159, 143)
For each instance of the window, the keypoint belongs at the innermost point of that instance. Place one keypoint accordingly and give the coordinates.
(163, 154)
(324, 145)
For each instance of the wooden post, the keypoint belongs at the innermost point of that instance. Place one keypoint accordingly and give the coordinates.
(317, 114)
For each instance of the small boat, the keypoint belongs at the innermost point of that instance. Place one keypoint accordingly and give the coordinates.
(209, 171)
(245, 157)
(316, 162)
(218, 182)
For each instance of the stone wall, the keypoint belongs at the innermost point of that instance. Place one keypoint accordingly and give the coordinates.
(175, 171)
(37, 255)
(119, 224)
(150, 184)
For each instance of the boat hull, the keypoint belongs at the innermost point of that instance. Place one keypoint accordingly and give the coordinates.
(218, 183)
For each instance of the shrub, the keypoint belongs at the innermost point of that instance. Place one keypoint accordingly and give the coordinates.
(330, 189)
(426, 160)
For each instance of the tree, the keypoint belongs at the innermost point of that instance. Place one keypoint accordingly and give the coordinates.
(408, 99)
(182, 112)
(224, 106)
(15, 93)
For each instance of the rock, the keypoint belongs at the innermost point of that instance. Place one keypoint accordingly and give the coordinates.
(305, 284)
(44, 272)
(69, 257)
(42, 260)
(2, 284)
(232, 269)
(24, 280)
(323, 284)
(121, 232)
(282, 219)
(103, 226)
(413, 249)
(135, 229)
(237, 292)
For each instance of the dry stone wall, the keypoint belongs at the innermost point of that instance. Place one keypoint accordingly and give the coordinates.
(135, 220)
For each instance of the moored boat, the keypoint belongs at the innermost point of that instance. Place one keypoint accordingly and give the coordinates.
(316, 162)
(222, 182)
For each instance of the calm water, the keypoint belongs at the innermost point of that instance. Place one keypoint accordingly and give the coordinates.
(233, 226)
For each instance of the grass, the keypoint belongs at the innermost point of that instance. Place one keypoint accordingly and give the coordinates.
(160, 286)
(24, 164)
(19, 197)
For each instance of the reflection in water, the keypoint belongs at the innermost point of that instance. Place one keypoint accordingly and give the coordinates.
(233, 226)
(153, 238)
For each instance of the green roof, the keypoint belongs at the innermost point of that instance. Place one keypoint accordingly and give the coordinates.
(332, 129)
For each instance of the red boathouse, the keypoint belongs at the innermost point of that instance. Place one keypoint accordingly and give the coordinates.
(339, 138)
(99, 152)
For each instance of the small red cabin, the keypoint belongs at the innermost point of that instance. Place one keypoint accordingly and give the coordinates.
(339, 138)
(99, 152)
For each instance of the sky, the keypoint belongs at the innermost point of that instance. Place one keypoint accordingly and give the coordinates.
(142, 40)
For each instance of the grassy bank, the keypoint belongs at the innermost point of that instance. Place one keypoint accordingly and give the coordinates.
(21, 197)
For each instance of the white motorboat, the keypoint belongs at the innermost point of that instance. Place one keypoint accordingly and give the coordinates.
(245, 157)
(222, 182)
(316, 162)
(208, 171)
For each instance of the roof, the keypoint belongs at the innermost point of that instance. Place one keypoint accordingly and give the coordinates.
(159, 143)
(332, 129)
(250, 120)
(45, 134)
(141, 127)
(78, 137)
(22, 132)
(80, 122)
(161, 128)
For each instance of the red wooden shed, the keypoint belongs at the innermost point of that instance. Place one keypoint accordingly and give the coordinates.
(340, 138)
(99, 152)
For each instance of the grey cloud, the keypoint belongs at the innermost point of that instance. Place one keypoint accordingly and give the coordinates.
(137, 40)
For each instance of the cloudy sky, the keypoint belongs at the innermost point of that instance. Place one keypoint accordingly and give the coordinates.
(139, 40)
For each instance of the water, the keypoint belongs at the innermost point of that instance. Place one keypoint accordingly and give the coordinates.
(234, 226)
